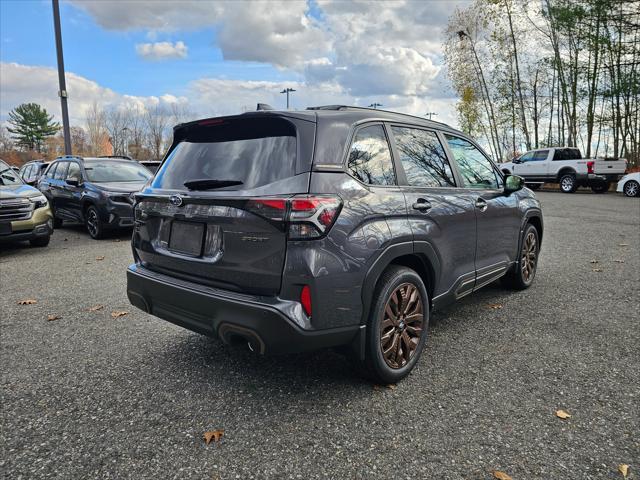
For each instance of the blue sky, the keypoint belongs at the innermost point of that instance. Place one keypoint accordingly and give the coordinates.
(221, 57)
(97, 53)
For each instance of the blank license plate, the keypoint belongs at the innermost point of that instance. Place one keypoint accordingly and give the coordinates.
(186, 237)
(5, 228)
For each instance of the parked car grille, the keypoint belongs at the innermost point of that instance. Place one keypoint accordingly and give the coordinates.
(15, 209)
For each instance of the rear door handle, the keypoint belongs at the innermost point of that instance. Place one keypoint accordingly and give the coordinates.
(481, 204)
(422, 205)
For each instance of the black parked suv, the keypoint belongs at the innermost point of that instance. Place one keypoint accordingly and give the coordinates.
(334, 226)
(95, 191)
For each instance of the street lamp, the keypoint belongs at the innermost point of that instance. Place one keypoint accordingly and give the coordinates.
(375, 105)
(430, 114)
(287, 91)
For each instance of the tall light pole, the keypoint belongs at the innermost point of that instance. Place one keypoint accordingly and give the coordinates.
(63, 85)
(287, 91)
(375, 105)
(430, 114)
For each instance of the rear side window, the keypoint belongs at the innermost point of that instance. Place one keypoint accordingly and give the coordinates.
(540, 155)
(567, 154)
(370, 157)
(476, 169)
(255, 152)
(423, 158)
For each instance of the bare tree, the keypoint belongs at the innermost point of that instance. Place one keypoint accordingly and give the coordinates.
(157, 123)
(116, 123)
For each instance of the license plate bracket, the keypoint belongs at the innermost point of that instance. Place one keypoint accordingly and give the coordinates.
(187, 238)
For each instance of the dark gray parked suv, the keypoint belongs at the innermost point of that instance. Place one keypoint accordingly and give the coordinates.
(334, 226)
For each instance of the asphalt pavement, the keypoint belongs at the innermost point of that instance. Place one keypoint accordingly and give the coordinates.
(90, 396)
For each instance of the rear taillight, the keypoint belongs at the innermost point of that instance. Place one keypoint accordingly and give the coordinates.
(590, 167)
(307, 216)
(305, 299)
(312, 216)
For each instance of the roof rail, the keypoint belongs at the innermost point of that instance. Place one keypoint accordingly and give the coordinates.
(124, 157)
(68, 156)
(353, 107)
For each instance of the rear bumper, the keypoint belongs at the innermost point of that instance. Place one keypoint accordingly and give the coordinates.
(261, 321)
(595, 177)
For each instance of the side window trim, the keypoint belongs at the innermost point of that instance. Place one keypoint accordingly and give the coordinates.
(454, 164)
(345, 161)
(401, 175)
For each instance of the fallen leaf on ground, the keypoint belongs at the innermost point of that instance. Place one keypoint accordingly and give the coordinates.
(623, 244)
(28, 301)
(51, 318)
(117, 240)
(215, 435)
(66, 240)
(597, 269)
(95, 308)
(500, 475)
(624, 470)
(495, 306)
(391, 386)
(562, 414)
(101, 257)
(117, 314)
(594, 261)
(619, 261)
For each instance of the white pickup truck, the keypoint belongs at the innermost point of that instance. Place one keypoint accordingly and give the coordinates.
(566, 167)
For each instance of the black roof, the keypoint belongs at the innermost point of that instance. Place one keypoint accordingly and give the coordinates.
(354, 113)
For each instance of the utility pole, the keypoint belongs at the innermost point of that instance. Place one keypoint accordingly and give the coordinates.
(430, 114)
(287, 91)
(375, 105)
(63, 85)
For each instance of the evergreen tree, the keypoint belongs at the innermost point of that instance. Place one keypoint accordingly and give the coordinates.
(31, 125)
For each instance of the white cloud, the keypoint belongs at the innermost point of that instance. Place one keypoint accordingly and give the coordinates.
(25, 83)
(368, 48)
(161, 50)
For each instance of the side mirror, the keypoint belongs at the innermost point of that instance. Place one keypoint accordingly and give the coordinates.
(513, 183)
(73, 181)
(516, 160)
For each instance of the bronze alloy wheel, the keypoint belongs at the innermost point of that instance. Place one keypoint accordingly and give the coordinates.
(529, 257)
(402, 325)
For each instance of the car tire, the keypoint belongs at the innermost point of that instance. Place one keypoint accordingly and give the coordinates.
(600, 187)
(523, 272)
(397, 327)
(568, 183)
(631, 189)
(93, 223)
(40, 241)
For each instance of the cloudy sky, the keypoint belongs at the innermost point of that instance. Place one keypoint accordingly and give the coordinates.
(222, 57)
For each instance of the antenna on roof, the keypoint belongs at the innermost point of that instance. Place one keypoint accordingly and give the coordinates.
(264, 106)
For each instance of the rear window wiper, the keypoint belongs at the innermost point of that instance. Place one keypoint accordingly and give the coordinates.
(210, 184)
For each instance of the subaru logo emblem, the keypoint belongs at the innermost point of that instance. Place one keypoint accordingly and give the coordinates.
(175, 200)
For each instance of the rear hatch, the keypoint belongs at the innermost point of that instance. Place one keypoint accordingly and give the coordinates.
(215, 211)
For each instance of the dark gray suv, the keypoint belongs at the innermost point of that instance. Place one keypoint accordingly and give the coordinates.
(334, 226)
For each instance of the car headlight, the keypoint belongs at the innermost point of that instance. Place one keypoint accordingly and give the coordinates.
(39, 201)
(120, 198)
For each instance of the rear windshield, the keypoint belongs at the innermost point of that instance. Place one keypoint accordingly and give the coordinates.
(255, 152)
(114, 171)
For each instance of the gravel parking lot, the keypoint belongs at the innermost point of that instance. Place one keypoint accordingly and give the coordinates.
(91, 396)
